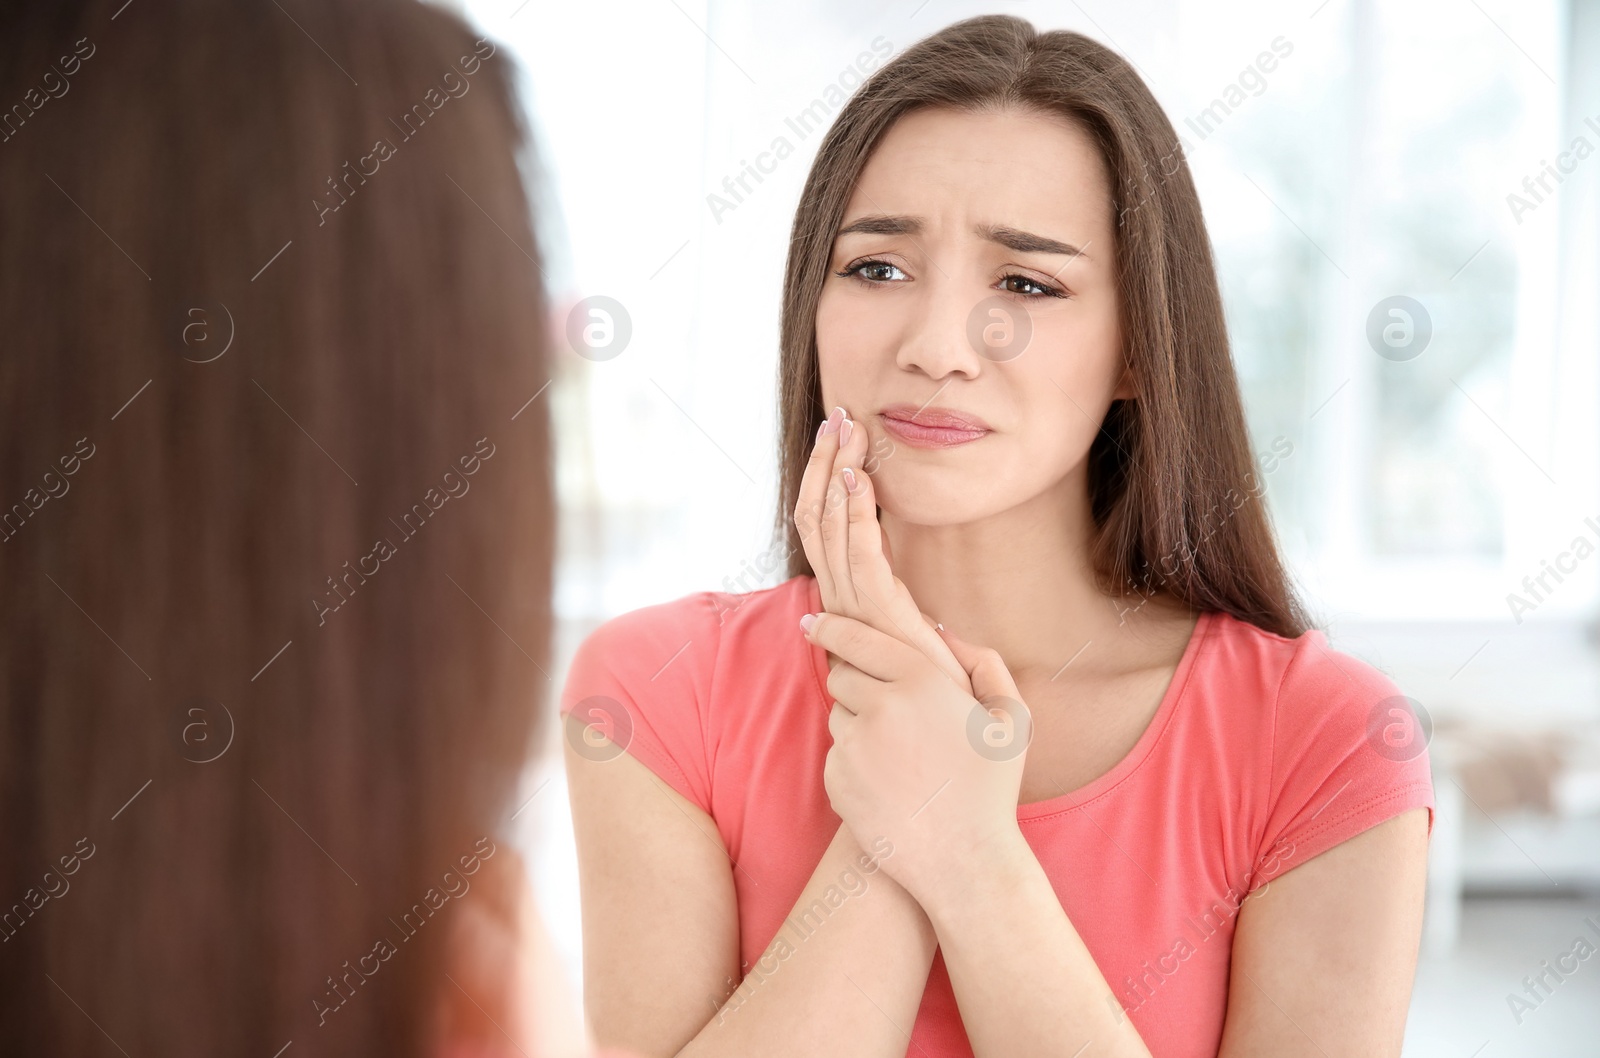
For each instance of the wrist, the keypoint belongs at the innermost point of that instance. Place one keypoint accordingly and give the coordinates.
(886, 895)
(990, 870)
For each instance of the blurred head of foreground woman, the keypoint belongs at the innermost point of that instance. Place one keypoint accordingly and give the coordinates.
(275, 526)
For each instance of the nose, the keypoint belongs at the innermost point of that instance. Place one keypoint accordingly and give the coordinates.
(938, 341)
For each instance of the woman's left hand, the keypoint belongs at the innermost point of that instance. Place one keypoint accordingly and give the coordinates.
(915, 758)
(836, 516)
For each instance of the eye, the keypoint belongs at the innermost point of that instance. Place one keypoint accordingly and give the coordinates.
(871, 271)
(1038, 289)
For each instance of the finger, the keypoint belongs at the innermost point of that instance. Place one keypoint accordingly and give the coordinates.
(882, 598)
(865, 561)
(984, 666)
(839, 717)
(877, 654)
(835, 520)
(809, 503)
(852, 690)
(995, 690)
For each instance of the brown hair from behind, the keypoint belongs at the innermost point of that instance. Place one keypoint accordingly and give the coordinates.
(1173, 486)
(275, 553)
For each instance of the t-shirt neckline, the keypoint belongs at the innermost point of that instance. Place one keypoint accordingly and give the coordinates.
(1122, 769)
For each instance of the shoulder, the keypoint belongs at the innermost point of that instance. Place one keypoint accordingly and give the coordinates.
(688, 619)
(755, 615)
(1312, 713)
(656, 647)
(1301, 678)
(1332, 701)
(671, 682)
(688, 638)
(1338, 714)
(705, 618)
(1343, 749)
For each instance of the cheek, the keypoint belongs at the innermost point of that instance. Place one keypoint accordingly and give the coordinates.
(1054, 440)
(1078, 354)
(1064, 387)
(852, 339)
(831, 331)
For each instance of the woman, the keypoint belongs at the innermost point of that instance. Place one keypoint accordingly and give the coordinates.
(854, 837)
(277, 535)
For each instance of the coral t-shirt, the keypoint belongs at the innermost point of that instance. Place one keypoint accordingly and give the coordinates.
(1264, 752)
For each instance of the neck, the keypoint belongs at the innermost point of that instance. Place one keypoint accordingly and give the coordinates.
(1018, 581)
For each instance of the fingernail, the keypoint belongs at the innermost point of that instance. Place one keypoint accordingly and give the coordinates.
(849, 475)
(822, 428)
(940, 626)
(844, 432)
(806, 622)
(831, 423)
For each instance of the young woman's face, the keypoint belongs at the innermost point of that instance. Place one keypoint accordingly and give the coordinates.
(980, 252)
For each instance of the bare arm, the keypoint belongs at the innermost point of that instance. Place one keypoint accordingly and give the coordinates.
(661, 936)
(1323, 958)
(1025, 982)
(1322, 965)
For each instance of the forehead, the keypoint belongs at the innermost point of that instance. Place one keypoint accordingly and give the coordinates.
(1017, 166)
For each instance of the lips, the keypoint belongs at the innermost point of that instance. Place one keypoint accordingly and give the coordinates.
(932, 427)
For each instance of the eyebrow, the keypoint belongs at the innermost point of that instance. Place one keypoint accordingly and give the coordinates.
(1012, 238)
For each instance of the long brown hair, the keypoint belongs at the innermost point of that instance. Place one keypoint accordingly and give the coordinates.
(1173, 487)
(275, 518)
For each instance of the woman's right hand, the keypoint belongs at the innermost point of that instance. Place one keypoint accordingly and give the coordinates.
(845, 544)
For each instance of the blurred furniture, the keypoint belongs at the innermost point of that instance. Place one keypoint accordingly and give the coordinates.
(1518, 813)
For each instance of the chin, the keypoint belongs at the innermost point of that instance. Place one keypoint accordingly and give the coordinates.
(920, 499)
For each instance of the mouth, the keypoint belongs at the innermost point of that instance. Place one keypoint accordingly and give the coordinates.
(932, 427)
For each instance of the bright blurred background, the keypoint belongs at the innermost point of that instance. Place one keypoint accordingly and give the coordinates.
(1406, 214)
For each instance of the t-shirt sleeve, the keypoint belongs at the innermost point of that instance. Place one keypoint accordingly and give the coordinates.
(1348, 752)
(642, 680)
